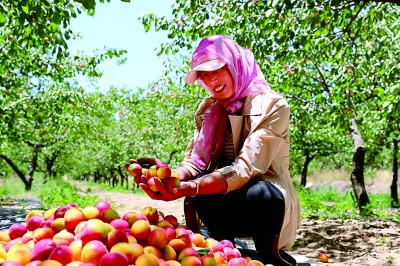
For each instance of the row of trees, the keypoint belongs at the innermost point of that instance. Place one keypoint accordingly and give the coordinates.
(38, 80)
(335, 61)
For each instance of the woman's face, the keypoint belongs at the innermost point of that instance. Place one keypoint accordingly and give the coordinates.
(219, 82)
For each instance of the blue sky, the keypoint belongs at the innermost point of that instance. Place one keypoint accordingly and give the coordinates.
(116, 25)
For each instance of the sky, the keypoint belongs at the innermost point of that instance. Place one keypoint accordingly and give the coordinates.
(116, 25)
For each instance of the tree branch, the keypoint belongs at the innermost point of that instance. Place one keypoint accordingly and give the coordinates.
(323, 82)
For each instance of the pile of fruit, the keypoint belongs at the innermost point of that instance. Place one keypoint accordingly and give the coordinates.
(98, 235)
(146, 175)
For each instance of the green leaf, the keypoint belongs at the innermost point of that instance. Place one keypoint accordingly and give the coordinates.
(269, 12)
(202, 251)
(26, 9)
(2, 18)
(147, 27)
(386, 104)
(379, 91)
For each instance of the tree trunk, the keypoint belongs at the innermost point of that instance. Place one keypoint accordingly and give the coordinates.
(357, 174)
(123, 177)
(122, 182)
(96, 176)
(393, 186)
(114, 178)
(304, 172)
(50, 161)
(16, 170)
(32, 170)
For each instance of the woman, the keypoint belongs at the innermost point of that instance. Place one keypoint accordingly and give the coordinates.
(236, 167)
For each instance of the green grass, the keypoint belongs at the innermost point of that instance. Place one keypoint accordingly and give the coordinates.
(10, 187)
(327, 202)
(59, 193)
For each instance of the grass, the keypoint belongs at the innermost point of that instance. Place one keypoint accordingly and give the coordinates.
(321, 201)
(327, 202)
(56, 194)
(10, 187)
(53, 193)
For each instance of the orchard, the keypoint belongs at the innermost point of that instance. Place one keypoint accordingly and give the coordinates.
(99, 235)
(336, 63)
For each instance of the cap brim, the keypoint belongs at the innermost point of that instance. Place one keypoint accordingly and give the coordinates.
(210, 65)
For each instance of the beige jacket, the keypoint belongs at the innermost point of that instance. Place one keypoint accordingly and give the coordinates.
(261, 144)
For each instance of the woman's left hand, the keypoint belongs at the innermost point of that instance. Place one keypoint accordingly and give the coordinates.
(164, 193)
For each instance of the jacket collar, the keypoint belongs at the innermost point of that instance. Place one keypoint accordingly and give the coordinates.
(253, 105)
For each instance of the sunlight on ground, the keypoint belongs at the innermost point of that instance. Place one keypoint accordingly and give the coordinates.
(341, 174)
(378, 181)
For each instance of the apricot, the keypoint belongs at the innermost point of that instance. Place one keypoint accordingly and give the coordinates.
(33, 213)
(147, 260)
(140, 229)
(113, 258)
(169, 253)
(62, 254)
(158, 238)
(91, 212)
(20, 253)
(126, 249)
(93, 251)
(102, 205)
(16, 230)
(191, 261)
(73, 217)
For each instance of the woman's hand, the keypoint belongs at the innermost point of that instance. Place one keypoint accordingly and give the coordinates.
(165, 194)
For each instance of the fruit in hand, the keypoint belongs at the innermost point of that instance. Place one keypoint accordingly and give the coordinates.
(152, 172)
(135, 169)
(151, 184)
(164, 172)
(146, 174)
(172, 183)
(323, 257)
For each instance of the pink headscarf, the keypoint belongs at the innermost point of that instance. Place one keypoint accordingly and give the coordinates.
(248, 80)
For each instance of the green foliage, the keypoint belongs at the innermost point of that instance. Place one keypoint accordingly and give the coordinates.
(59, 193)
(162, 118)
(38, 87)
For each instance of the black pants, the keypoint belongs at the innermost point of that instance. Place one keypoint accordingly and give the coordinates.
(256, 210)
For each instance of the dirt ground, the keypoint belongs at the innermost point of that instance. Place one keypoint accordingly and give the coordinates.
(347, 242)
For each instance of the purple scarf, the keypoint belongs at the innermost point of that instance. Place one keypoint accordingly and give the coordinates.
(248, 80)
